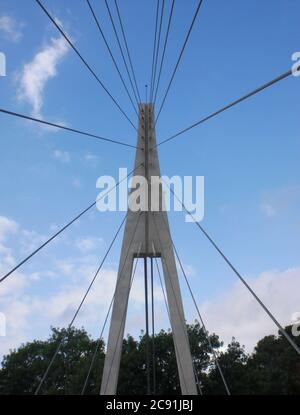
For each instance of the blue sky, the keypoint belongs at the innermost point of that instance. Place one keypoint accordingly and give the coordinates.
(248, 156)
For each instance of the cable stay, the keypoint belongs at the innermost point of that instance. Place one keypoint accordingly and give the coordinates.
(232, 104)
(183, 323)
(79, 307)
(110, 53)
(164, 50)
(153, 327)
(118, 281)
(84, 61)
(168, 312)
(158, 47)
(63, 127)
(179, 59)
(215, 358)
(136, 95)
(260, 302)
(154, 46)
(127, 50)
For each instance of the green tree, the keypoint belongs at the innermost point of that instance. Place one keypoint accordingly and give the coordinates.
(233, 363)
(22, 369)
(274, 367)
(133, 377)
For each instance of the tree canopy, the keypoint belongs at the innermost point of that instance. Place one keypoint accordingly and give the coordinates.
(273, 367)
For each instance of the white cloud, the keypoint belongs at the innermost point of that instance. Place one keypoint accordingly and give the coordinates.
(35, 74)
(91, 159)
(63, 156)
(13, 286)
(7, 260)
(90, 156)
(30, 240)
(65, 267)
(236, 313)
(61, 306)
(10, 28)
(7, 226)
(88, 244)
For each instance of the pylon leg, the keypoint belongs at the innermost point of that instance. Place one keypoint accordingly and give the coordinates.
(177, 319)
(118, 319)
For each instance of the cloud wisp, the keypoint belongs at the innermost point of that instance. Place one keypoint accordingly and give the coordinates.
(38, 72)
(10, 28)
(62, 156)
